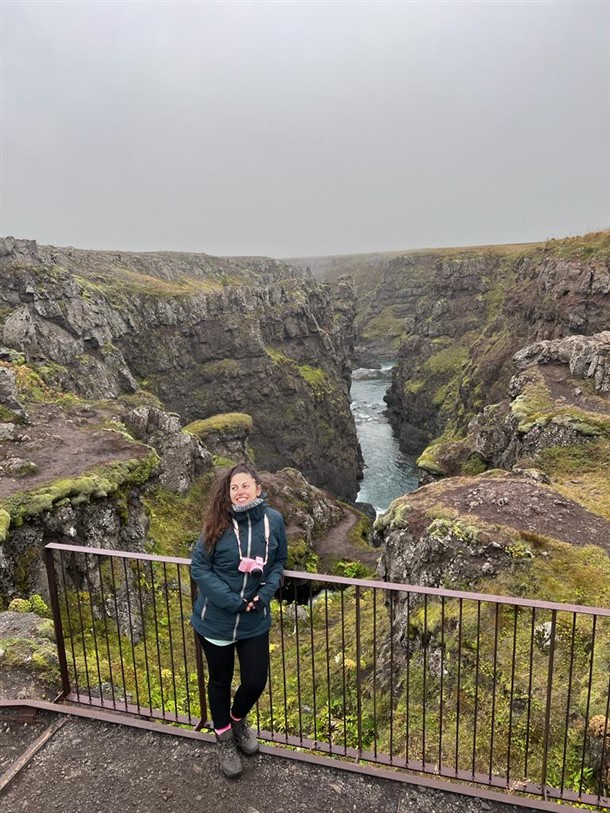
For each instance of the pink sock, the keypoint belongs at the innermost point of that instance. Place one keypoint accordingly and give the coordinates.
(234, 718)
(222, 730)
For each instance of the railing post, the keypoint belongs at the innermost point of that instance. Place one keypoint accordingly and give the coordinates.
(200, 674)
(49, 561)
(358, 671)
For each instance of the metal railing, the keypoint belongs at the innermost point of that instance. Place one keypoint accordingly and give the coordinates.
(492, 691)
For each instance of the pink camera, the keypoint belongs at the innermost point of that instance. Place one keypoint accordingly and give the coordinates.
(252, 566)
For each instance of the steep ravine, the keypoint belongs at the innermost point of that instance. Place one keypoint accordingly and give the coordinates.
(204, 335)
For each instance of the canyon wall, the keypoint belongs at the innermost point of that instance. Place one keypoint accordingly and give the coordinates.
(203, 335)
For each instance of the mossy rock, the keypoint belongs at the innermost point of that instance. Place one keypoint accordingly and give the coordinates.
(223, 423)
(97, 483)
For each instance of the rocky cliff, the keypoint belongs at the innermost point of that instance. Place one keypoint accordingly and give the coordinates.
(203, 335)
(453, 319)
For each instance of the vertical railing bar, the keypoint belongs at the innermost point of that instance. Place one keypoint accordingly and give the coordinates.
(512, 694)
(313, 668)
(131, 635)
(328, 681)
(157, 646)
(493, 691)
(588, 708)
(440, 711)
(170, 639)
(476, 690)
(97, 654)
(283, 641)
(391, 677)
(408, 682)
(459, 688)
(184, 653)
(144, 638)
(375, 726)
(107, 636)
(358, 672)
(568, 699)
(270, 693)
(424, 686)
(529, 693)
(604, 747)
(549, 697)
(298, 649)
(118, 632)
(344, 682)
(49, 559)
(69, 618)
(84, 643)
(425, 674)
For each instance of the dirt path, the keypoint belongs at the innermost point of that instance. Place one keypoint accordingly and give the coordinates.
(336, 545)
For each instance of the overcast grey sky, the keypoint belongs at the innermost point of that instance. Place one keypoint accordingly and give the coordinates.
(303, 128)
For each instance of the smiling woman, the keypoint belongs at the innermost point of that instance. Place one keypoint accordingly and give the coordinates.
(237, 565)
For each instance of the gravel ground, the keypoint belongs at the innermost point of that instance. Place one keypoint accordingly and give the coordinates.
(94, 767)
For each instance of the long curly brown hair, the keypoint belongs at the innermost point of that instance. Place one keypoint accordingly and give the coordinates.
(218, 515)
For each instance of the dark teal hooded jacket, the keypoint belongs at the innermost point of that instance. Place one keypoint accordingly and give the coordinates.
(223, 591)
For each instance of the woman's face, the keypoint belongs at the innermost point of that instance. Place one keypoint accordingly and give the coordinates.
(243, 489)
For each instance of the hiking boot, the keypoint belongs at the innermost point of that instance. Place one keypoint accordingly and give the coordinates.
(228, 756)
(244, 737)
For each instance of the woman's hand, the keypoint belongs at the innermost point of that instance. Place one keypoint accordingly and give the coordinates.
(254, 604)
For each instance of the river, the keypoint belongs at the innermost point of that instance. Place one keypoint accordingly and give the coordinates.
(388, 472)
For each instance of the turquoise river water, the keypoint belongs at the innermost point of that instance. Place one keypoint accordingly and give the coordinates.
(388, 472)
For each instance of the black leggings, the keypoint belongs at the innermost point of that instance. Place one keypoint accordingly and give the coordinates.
(253, 654)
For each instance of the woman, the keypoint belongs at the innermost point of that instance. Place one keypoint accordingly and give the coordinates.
(237, 565)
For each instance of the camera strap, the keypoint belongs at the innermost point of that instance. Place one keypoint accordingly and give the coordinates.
(267, 534)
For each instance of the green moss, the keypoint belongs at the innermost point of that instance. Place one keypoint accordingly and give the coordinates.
(36, 656)
(220, 462)
(97, 483)
(223, 367)
(277, 356)
(429, 459)
(5, 522)
(352, 570)
(31, 386)
(176, 519)
(225, 422)
(140, 398)
(316, 378)
(20, 605)
(580, 472)
(25, 568)
(448, 360)
(396, 516)
(301, 556)
(474, 465)
(385, 326)
(532, 406)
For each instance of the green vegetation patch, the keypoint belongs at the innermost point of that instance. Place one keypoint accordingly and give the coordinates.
(31, 386)
(39, 657)
(301, 556)
(534, 406)
(34, 604)
(225, 422)
(580, 472)
(385, 325)
(316, 378)
(222, 367)
(176, 519)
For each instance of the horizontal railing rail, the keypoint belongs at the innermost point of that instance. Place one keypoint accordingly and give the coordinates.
(494, 691)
